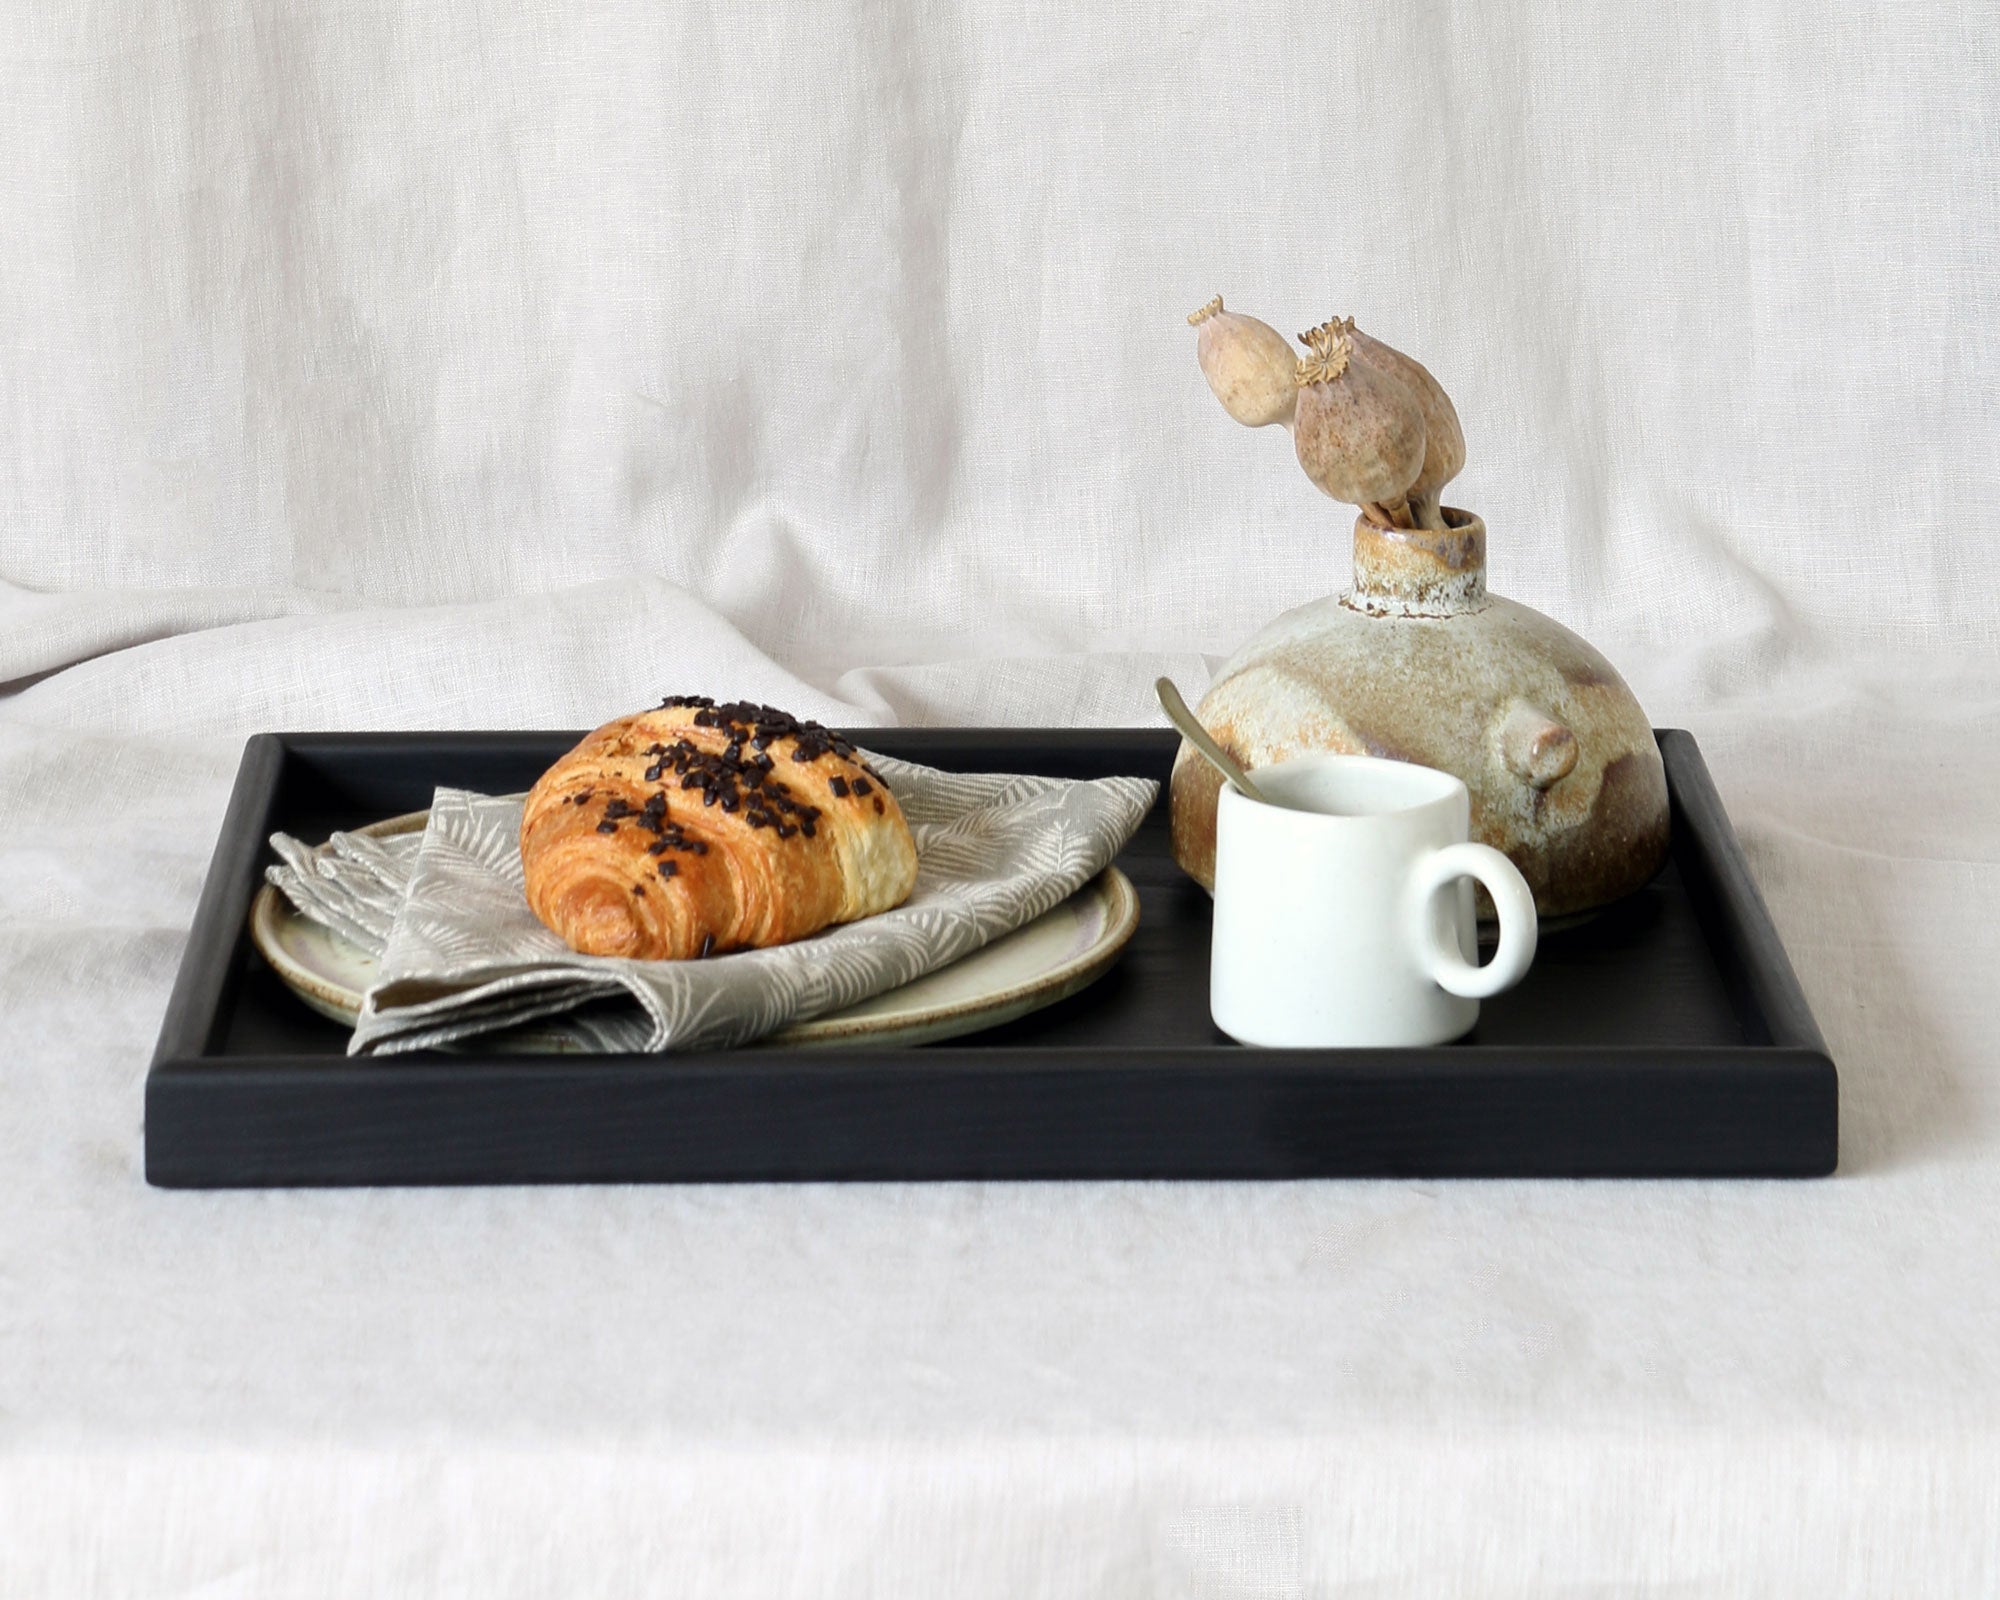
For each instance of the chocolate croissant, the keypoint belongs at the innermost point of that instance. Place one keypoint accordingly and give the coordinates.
(699, 829)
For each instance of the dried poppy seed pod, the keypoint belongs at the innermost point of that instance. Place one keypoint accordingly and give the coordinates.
(1358, 432)
(1444, 440)
(1247, 363)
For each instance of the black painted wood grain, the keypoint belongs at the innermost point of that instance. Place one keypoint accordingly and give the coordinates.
(1667, 1037)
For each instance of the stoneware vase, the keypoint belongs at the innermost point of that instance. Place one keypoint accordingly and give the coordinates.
(1418, 662)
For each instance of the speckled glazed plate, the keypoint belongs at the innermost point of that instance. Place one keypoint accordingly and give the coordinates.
(1060, 952)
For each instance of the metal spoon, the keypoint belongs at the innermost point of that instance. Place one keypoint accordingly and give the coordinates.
(1178, 714)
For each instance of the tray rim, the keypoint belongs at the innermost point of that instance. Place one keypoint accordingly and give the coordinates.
(184, 1074)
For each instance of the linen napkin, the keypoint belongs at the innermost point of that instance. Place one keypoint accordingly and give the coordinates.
(462, 955)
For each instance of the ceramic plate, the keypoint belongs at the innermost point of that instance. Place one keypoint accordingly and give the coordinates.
(1050, 959)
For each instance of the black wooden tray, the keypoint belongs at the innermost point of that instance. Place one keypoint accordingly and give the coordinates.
(1665, 1037)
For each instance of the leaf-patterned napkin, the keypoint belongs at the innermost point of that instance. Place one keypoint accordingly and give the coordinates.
(461, 953)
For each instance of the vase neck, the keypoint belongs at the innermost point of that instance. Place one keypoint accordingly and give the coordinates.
(1420, 571)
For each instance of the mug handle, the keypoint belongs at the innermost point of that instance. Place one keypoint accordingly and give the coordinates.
(1511, 898)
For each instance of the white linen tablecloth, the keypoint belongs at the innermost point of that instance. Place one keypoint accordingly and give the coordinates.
(466, 365)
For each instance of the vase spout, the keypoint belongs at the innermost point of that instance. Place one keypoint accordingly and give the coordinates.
(1420, 571)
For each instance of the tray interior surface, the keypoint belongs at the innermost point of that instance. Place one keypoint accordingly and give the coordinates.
(1647, 971)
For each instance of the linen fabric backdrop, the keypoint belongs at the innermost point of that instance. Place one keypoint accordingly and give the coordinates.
(469, 364)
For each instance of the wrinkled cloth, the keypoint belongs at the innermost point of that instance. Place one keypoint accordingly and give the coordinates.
(461, 365)
(447, 911)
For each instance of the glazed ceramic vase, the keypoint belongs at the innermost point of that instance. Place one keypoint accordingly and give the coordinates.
(1418, 662)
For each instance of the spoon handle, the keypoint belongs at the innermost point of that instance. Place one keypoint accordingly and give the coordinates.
(1178, 714)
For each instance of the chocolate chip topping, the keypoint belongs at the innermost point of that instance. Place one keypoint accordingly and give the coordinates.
(733, 777)
(741, 776)
(761, 725)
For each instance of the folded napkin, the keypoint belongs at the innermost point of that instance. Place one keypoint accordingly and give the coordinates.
(462, 955)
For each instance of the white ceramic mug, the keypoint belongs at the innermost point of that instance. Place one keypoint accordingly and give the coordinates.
(1343, 911)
